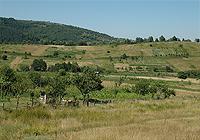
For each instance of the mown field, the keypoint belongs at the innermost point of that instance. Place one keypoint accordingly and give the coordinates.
(129, 116)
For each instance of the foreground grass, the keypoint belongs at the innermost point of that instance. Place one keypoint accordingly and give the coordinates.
(176, 118)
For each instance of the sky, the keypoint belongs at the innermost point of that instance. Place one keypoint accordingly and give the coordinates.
(118, 18)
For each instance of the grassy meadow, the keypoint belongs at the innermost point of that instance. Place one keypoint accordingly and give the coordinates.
(170, 119)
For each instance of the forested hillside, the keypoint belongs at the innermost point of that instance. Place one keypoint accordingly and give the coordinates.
(39, 32)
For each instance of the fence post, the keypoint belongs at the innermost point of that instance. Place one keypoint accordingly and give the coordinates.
(32, 102)
(17, 102)
(3, 106)
(27, 105)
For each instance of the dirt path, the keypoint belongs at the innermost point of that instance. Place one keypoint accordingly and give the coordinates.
(16, 62)
(162, 78)
(181, 91)
(171, 79)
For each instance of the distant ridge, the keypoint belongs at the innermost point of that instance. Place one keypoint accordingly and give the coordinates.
(40, 32)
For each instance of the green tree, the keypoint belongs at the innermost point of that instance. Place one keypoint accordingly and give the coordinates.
(162, 38)
(156, 40)
(56, 89)
(37, 79)
(197, 40)
(39, 65)
(150, 39)
(157, 90)
(7, 74)
(142, 87)
(139, 40)
(86, 83)
(174, 38)
(8, 78)
(22, 86)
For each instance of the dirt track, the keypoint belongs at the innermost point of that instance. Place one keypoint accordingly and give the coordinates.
(162, 78)
(16, 62)
(180, 91)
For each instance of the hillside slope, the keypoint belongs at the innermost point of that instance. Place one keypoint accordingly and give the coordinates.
(39, 32)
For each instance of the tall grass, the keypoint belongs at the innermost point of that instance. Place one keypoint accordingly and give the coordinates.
(175, 118)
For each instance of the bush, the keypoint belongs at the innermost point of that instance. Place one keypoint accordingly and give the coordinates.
(169, 69)
(4, 57)
(83, 51)
(182, 75)
(55, 53)
(124, 56)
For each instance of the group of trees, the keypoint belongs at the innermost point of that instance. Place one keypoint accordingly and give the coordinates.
(62, 68)
(157, 90)
(41, 65)
(160, 39)
(68, 67)
(14, 84)
(55, 85)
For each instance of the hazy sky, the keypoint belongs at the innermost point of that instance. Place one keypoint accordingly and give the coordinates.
(119, 18)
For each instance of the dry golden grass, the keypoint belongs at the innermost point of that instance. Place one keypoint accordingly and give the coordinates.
(147, 121)
(186, 63)
(171, 119)
(35, 50)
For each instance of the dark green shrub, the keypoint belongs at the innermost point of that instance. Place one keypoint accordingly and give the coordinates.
(169, 69)
(39, 65)
(182, 75)
(124, 56)
(55, 53)
(4, 57)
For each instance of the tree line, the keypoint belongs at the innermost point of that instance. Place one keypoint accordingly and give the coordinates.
(160, 39)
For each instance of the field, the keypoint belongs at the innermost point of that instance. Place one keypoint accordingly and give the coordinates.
(146, 60)
(129, 116)
(175, 118)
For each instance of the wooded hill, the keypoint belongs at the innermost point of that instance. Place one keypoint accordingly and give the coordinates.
(40, 32)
